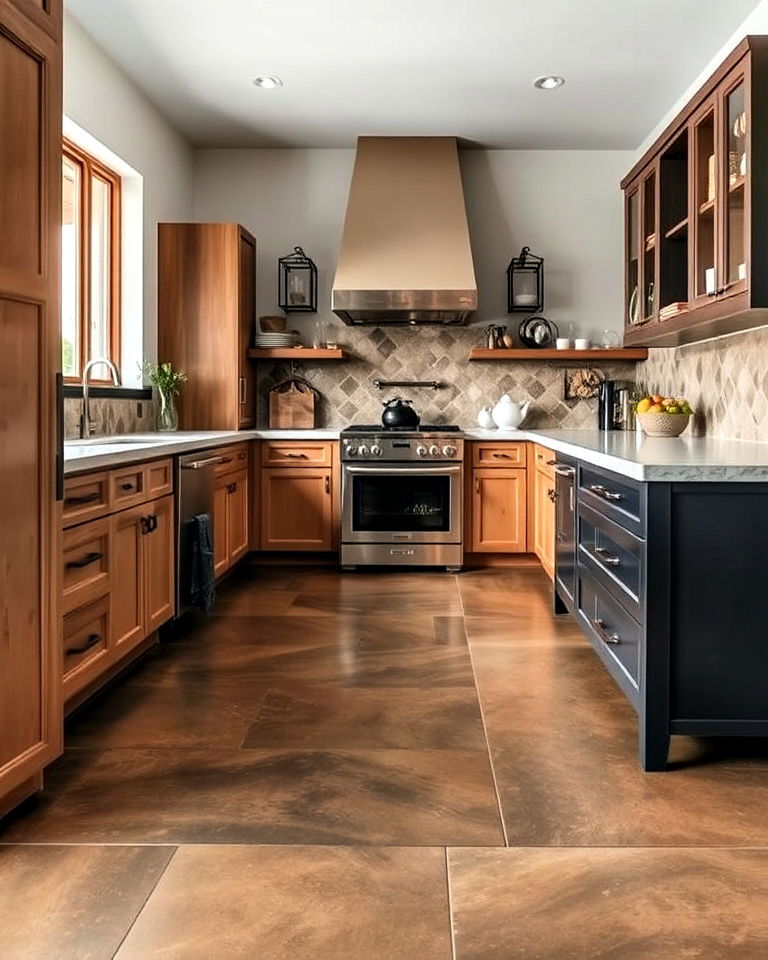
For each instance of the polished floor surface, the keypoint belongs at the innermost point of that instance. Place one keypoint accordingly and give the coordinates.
(388, 765)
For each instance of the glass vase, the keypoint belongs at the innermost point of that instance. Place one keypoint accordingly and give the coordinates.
(167, 417)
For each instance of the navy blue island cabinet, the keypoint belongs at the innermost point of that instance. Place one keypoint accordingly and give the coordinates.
(669, 583)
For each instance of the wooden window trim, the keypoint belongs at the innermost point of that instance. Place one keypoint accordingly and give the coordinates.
(90, 166)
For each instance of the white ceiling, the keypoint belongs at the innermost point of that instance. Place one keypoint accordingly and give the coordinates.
(413, 67)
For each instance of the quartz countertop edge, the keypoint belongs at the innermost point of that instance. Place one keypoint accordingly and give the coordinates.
(682, 459)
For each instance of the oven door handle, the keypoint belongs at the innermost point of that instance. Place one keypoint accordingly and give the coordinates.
(415, 470)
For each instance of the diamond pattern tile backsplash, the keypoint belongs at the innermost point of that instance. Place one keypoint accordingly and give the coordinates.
(348, 394)
(725, 381)
(110, 416)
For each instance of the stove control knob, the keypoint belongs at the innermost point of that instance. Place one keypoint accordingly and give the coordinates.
(421, 450)
(362, 450)
(350, 448)
(449, 450)
(375, 450)
(434, 450)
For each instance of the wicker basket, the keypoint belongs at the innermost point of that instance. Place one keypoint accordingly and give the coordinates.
(292, 405)
(663, 424)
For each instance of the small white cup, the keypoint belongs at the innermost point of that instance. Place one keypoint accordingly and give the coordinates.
(581, 343)
(563, 343)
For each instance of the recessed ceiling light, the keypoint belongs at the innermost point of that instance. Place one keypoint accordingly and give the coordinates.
(548, 83)
(267, 82)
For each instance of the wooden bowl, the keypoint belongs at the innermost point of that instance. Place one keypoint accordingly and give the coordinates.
(663, 424)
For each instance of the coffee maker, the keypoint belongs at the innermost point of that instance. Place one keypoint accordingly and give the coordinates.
(615, 409)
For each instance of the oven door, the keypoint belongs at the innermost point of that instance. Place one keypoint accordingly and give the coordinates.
(401, 504)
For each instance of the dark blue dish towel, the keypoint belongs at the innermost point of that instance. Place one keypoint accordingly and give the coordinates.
(203, 585)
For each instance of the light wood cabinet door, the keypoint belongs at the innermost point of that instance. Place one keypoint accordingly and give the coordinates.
(544, 521)
(296, 509)
(237, 516)
(127, 595)
(30, 517)
(220, 531)
(498, 510)
(158, 561)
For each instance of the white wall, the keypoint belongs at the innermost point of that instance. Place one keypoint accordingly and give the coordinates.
(566, 205)
(755, 25)
(103, 101)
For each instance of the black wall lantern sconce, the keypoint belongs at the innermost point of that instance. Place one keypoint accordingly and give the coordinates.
(525, 283)
(297, 283)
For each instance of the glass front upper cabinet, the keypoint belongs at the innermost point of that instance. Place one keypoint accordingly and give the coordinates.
(736, 145)
(649, 242)
(632, 225)
(705, 199)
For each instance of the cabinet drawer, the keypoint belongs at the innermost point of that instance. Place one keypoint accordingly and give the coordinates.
(159, 478)
(232, 458)
(615, 497)
(544, 460)
(85, 575)
(128, 486)
(510, 454)
(85, 641)
(85, 498)
(296, 453)
(616, 635)
(614, 556)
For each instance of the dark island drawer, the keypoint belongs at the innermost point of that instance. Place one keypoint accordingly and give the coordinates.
(616, 497)
(614, 557)
(614, 633)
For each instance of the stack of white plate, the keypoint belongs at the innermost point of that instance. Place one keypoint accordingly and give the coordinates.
(287, 339)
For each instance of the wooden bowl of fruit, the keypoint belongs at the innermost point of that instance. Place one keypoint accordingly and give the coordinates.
(663, 416)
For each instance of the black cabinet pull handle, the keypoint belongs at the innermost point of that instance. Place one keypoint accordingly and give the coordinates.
(148, 524)
(607, 558)
(605, 633)
(84, 498)
(85, 561)
(126, 486)
(552, 495)
(92, 640)
(327, 484)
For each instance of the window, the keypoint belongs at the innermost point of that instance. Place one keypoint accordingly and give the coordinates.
(90, 264)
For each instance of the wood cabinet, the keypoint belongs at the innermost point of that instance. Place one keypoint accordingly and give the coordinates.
(543, 477)
(118, 570)
(206, 317)
(497, 498)
(231, 520)
(299, 500)
(695, 207)
(30, 208)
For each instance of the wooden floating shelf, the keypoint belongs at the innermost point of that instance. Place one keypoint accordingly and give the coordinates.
(297, 353)
(707, 207)
(678, 231)
(522, 353)
(736, 184)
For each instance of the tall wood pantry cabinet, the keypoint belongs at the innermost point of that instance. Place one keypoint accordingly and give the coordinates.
(206, 315)
(30, 214)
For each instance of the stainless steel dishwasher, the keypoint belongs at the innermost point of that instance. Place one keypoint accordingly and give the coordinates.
(194, 483)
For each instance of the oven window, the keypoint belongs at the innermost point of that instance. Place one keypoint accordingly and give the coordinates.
(395, 504)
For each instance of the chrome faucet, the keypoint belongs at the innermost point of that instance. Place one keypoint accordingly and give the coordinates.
(86, 427)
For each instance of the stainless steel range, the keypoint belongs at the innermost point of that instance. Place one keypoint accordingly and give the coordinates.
(401, 496)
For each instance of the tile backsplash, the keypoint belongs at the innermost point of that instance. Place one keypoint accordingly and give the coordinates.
(349, 395)
(724, 380)
(110, 416)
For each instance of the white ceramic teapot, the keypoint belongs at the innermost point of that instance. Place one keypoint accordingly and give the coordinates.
(485, 418)
(508, 415)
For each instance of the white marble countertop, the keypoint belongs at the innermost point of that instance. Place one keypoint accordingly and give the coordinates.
(631, 454)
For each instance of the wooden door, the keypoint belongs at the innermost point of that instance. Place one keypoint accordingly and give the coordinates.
(735, 163)
(30, 518)
(246, 323)
(498, 510)
(127, 596)
(220, 526)
(705, 198)
(158, 559)
(544, 520)
(237, 516)
(296, 508)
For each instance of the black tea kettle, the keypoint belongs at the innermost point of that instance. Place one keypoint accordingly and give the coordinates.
(399, 413)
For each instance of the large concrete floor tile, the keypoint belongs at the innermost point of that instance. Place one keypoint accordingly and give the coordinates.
(403, 594)
(592, 904)
(352, 718)
(73, 902)
(399, 797)
(520, 627)
(302, 903)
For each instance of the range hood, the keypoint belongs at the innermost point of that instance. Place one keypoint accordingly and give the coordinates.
(405, 255)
